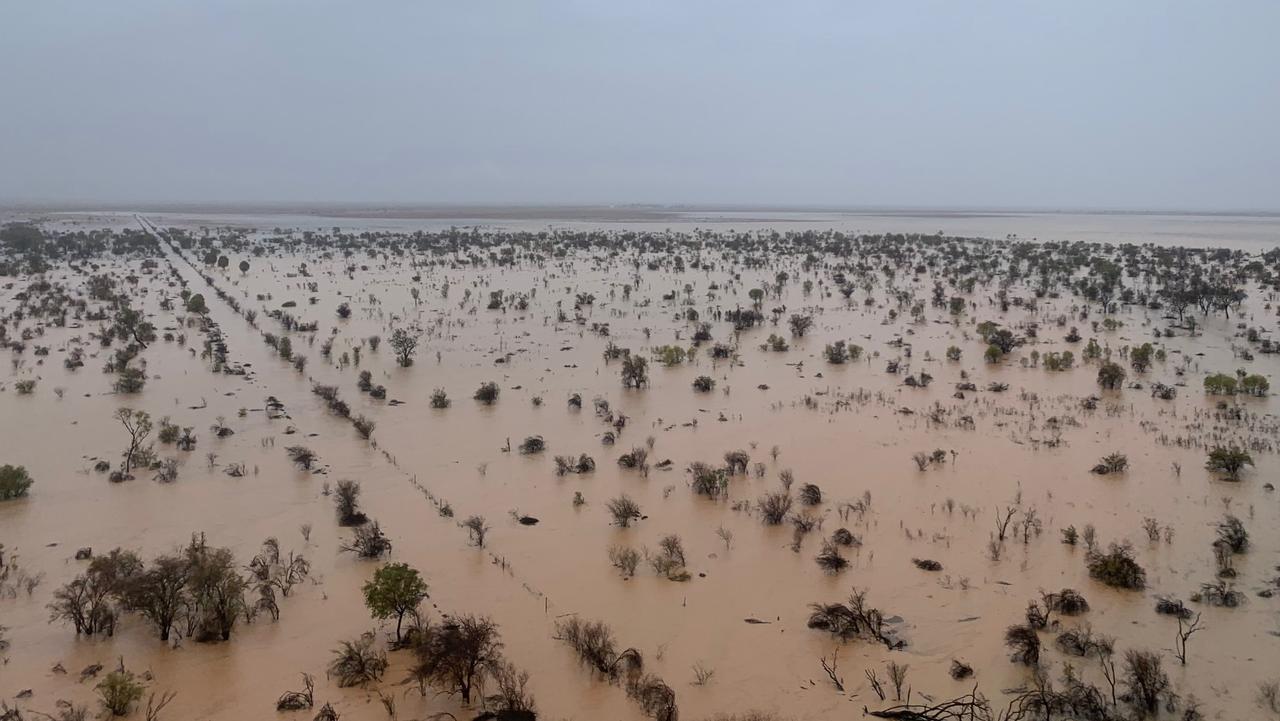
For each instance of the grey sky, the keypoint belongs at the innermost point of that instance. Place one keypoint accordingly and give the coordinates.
(1126, 103)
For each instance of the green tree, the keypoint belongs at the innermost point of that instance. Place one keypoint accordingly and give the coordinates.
(1220, 384)
(244, 266)
(1255, 385)
(1140, 357)
(1110, 376)
(196, 304)
(635, 371)
(14, 482)
(1228, 461)
(395, 590)
(119, 691)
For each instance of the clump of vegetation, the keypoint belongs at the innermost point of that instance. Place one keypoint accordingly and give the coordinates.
(440, 399)
(623, 510)
(635, 371)
(456, 656)
(533, 444)
(774, 507)
(596, 648)
(1220, 384)
(1229, 461)
(395, 590)
(830, 559)
(624, 559)
(358, 662)
(704, 384)
(477, 529)
(487, 393)
(364, 426)
(1144, 680)
(1117, 568)
(346, 500)
(1025, 643)
(810, 494)
(1111, 376)
(1232, 534)
(368, 541)
(853, 619)
(119, 691)
(302, 456)
(14, 482)
(568, 464)
(1112, 463)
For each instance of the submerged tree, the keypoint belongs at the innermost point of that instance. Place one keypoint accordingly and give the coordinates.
(635, 371)
(138, 425)
(1229, 461)
(405, 344)
(14, 482)
(454, 656)
(395, 590)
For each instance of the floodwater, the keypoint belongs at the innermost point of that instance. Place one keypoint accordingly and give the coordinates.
(849, 429)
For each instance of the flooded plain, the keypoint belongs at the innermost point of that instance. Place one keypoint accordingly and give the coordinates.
(545, 314)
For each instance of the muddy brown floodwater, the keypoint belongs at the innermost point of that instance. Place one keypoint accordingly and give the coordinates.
(850, 429)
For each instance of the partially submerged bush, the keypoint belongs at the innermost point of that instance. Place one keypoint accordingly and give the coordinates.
(854, 619)
(830, 559)
(1112, 463)
(1144, 680)
(624, 510)
(368, 542)
(1229, 461)
(302, 456)
(358, 662)
(346, 501)
(14, 482)
(1232, 534)
(439, 399)
(773, 507)
(533, 444)
(568, 464)
(624, 559)
(119, 691)
(810, 494)
(1067, 602)
(708, 481)
(1117, 568)
(487, 393)
(1025, 643)
(844, 537)
(1219, 593)
(593, 642)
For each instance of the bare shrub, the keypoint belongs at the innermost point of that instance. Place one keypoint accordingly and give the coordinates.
(774, 507)
(624, 559)
(346, 501)
(854, 619)
(368, 542)
(1144, 679)
(1025, 643)
(358, 662)
(624, 510)
(830, 559)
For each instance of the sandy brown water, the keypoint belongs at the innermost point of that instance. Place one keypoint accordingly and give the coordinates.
(528, 576)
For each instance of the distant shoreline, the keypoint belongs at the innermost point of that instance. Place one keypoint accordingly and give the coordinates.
(590, 212)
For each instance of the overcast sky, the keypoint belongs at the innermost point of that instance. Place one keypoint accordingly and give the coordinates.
(1109, 104)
